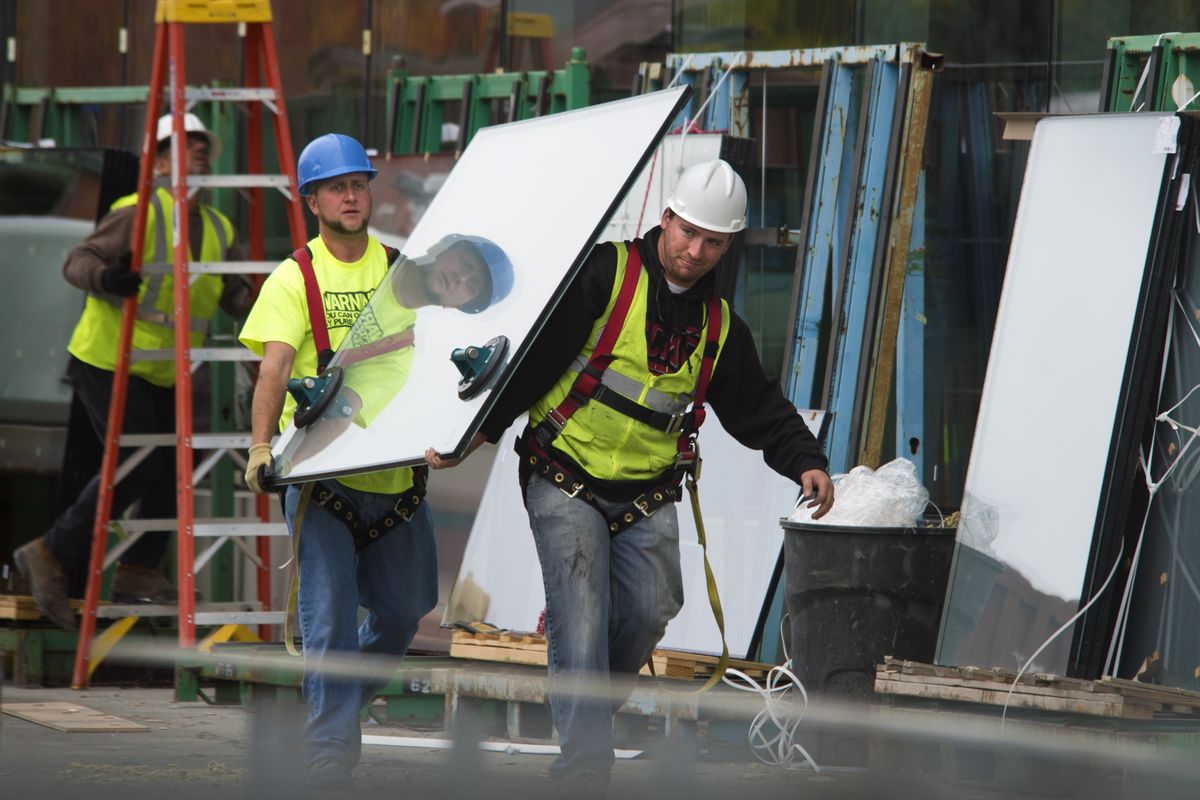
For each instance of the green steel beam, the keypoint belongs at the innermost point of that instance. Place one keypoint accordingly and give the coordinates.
(416, 126)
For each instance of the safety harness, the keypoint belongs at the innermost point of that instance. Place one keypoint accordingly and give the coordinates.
(588, 386)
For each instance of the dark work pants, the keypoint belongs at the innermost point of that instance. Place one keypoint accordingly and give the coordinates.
(148, 409)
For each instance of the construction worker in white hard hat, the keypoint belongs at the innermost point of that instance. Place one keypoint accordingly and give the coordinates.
(100, 266)
(639, 338)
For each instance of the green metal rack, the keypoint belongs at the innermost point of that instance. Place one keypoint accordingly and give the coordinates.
(417, 107)
(1152, 73)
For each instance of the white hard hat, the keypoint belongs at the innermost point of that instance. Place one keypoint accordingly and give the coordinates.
(191, 124)
(711, 195)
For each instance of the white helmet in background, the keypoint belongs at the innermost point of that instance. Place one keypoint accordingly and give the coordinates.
(191, 124)
(712, 196)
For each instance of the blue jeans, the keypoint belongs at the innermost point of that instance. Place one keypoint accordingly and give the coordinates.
(148, 409)
(395, 579)
(608, 602)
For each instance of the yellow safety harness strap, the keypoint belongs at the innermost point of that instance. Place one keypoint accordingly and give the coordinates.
(294, 571)
(714, 598)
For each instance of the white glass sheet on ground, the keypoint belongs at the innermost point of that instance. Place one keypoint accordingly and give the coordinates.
(523, 205)
(742, 499)
(1054, 381)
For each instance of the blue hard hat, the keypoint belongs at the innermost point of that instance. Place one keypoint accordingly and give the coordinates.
(329, 156)
(499, 266)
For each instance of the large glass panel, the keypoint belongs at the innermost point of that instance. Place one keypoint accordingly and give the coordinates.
(1159, 641)
(512, 213)
(1053, 387)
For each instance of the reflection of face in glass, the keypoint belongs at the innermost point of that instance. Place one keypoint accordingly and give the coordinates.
(469, 273)
(458, 276)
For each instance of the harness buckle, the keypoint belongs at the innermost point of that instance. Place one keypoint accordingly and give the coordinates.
(555, 418)
(675, 424)
(576, 488)
(643, 505)
(401, 509)
(689, 461)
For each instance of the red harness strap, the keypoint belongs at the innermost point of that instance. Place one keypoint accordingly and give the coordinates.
(316, 308)
(589, 377)
(687, 456)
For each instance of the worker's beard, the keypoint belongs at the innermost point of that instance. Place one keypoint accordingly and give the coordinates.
(335, 224)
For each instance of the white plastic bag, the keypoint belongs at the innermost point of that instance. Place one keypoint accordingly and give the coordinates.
(889, 497)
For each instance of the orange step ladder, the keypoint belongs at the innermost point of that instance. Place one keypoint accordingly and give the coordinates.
(263, 88)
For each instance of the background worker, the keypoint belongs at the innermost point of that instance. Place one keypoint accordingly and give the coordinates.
(394, 574)
(101, 266)
(600, 488)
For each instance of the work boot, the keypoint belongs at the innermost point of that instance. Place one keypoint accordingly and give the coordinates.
(583, 784)
(329, 772)
(47, 583)
(134, 584)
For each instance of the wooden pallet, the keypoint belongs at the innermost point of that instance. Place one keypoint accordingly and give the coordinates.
(528, 648)
(21, 608)
(1108, 697)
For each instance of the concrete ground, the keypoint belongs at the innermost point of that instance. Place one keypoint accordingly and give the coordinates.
(193, 750)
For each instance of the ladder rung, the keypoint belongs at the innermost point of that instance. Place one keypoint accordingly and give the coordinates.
(240, 617)
(237, 181)
(230, 95)
(200, 441)
(208, 527)
(198, 354)
(216, 268)
(118, 610)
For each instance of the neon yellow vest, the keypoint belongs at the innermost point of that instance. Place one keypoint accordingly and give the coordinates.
(605, 442)
(96, 335)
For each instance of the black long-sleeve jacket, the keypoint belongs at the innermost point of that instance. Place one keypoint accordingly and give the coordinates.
(750, 405)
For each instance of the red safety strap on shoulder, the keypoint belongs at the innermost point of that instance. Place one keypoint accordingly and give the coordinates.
(712, 344)
(316, 308)
(589, 377)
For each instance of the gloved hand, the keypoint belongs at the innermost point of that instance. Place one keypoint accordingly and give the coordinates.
(119, 278)
(260, 456)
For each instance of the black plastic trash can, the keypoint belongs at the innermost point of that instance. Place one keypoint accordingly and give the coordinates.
(857, 594)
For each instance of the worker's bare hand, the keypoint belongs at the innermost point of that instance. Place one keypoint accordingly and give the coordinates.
(818, 491)
(436, 461)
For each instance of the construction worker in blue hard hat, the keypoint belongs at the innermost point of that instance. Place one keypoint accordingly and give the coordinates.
(101, 265)
(615, 386)
(392, 574)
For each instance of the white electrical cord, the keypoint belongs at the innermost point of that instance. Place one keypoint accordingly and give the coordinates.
(773, 729)
(1065, 626)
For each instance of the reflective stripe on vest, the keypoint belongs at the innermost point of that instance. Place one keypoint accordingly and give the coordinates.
(610, 445)
(97, 333)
